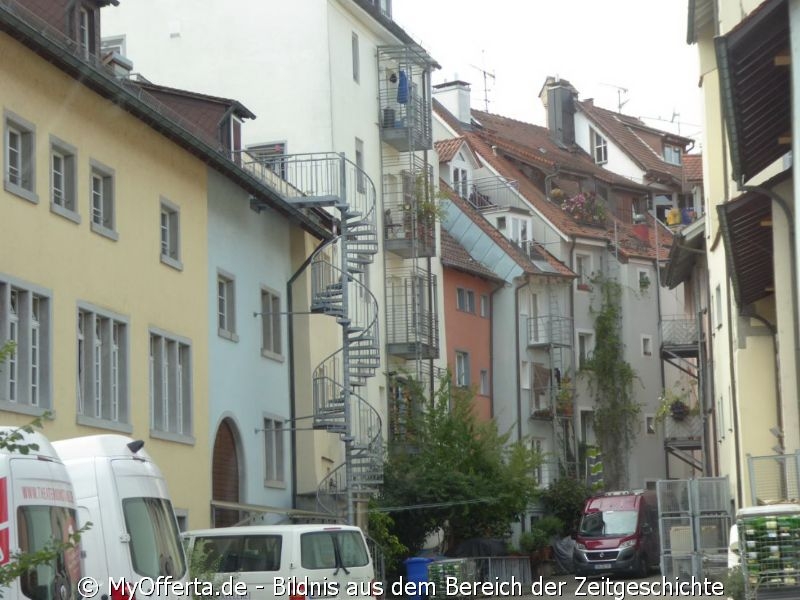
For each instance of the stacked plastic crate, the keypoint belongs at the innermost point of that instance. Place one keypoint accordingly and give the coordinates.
(769, 547)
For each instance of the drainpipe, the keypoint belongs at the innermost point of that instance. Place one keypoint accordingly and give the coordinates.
(734, 399)
(516, 345)
(547, 180)
(497, 288)
(290, 353)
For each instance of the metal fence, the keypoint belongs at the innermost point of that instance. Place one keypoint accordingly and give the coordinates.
(695, 522)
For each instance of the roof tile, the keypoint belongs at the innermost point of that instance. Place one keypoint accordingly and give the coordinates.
(447, 148)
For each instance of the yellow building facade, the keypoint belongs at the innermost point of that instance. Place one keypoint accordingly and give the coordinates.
(103, 274)
(750, 251)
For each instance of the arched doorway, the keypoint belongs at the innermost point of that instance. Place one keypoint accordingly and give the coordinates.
(225, 473)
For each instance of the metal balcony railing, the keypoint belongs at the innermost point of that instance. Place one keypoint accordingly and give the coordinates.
(412, 320)
(491, 191)
(679, 331)
(688, 428)
(550, 331)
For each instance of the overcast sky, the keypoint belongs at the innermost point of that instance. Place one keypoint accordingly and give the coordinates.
(639, 45)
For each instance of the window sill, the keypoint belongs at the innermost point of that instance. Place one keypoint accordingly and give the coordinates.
(104, 424)
(105, 232)
(172, 437)
(228, 335)
(18, 190)
(67, 213)
(584, 287)
(25, 409)
(270, 483)
(172, 262)
(272, 355)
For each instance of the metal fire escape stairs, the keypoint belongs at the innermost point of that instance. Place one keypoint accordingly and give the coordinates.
(338, 290)
(559, 335)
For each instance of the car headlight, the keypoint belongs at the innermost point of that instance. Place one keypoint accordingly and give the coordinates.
(580, 546)
(627, 544)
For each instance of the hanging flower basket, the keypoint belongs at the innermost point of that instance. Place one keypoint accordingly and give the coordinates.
(679, 410)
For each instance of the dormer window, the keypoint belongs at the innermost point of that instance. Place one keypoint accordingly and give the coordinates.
(672, 155)
(599, 147)
(86, 31)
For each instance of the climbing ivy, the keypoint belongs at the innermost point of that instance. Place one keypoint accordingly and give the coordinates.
(610, 378)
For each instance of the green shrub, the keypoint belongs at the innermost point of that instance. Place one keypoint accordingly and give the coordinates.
(533, 541)
(551, 525)
(564, 499)
(734, 584)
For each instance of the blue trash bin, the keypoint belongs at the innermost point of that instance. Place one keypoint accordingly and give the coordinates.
(417, 571)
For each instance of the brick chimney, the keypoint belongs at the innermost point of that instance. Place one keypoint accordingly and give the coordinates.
(455, 97)
(558, 97)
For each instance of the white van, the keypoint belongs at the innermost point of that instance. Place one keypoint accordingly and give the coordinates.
(37, 506)
(293, 561)
(135, 534)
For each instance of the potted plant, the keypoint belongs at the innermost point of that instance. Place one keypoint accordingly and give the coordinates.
(644, 283)
(565, 397)
(675, 403)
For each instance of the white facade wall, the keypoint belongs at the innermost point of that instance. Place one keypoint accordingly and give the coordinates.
(294, 69)
(618, 161)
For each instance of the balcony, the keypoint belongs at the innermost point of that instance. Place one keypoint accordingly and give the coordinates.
(680, 337)
(404, 98)
(686, 433)
(412, 322)
(489, 192)
(409, 208)
(549, 331)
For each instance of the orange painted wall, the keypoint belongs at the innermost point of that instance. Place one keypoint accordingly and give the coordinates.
(469, 332)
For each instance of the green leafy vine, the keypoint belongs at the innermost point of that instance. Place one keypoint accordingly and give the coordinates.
(610, 378)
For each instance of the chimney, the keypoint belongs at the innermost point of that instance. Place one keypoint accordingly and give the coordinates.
(455, 97)
(558, 97)
(120, 66)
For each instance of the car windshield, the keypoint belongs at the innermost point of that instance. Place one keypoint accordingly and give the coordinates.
(608, 523)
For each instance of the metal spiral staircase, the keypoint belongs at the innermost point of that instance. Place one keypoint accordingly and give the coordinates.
(338, 290)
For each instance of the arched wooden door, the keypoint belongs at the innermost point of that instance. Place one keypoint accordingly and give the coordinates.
(225, 473)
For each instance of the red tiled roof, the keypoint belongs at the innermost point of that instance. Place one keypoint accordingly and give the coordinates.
(627, 132)
(544, 150)
(628, 243)
(455, 256)
(693, 167)
(447, 148)
(510, 248)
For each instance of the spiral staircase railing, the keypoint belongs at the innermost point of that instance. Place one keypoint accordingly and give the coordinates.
(337, 289)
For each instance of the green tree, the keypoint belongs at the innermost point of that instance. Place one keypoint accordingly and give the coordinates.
(564, 498)
(455, 473)
(611, 377)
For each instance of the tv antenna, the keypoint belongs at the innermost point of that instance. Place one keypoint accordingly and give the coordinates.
(620, 90)
(486, 76)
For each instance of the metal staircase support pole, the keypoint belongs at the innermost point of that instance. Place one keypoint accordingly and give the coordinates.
(348, 423)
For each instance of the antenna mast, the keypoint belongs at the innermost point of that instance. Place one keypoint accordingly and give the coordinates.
(486, 76)
(620, 90)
